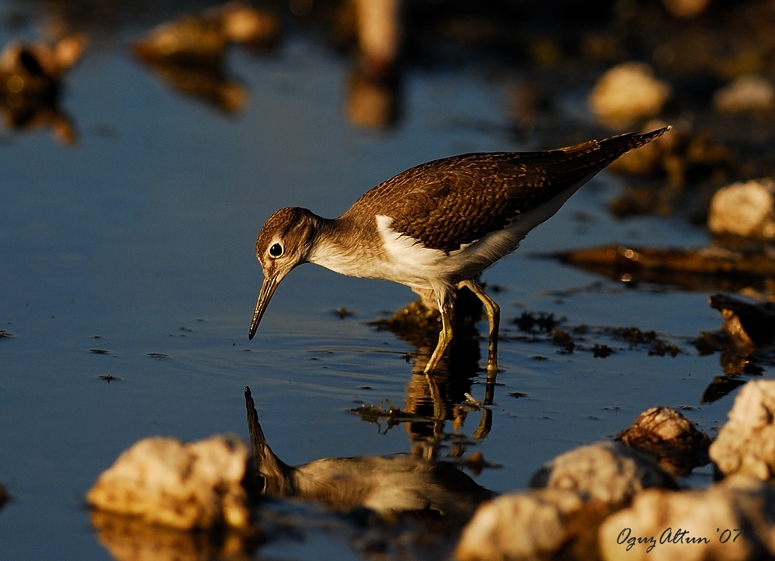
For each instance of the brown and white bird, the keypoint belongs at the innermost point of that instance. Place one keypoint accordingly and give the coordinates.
(436, 226)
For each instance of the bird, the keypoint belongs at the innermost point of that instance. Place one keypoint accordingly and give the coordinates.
(435, 227)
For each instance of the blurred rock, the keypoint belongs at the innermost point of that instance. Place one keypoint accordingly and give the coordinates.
(608, 472)
(31, 77)
(744, 209)
(685, 9)
(243, 24)
(576, 491)
(745, 93)
(628, 93)
(35, 69)
(670, 438)
(184, 486)
(201, 39)
(734, 520)
(532, 525)
(746, 443)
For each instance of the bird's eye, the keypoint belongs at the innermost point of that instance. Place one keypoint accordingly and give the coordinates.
(276, 250)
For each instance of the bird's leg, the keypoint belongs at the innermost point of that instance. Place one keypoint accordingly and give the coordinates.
(494, 317)
(445, 335)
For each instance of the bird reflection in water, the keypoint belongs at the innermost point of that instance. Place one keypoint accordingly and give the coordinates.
(432, 401)
(388, 485)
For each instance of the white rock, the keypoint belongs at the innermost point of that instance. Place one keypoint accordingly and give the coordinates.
(746, 443)
(744, 209)
(520, 526)
(745, 93)
(628, 93)
(734, 520)
(605, 471)
(185, 486)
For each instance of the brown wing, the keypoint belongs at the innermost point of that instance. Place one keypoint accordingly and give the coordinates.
(455, 201)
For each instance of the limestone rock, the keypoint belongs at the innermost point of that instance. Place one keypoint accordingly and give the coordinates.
(628, 93)
(532, 525)
(746, 443)
(744, 209)
(734, 520)
(184, 486)
(605, 471)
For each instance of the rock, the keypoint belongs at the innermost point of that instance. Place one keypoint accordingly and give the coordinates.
(685, 9)
(604, 471)
(36, 69)
(668, 436)
(744, 209)
(628, 93)
(184, 486)
(745, 93)
(746, 443)
(572, 495)
(244, 24)
(733, 520)
(532, 525)
(200, 40)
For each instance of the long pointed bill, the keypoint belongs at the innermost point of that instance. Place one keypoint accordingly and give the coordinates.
(265, 294)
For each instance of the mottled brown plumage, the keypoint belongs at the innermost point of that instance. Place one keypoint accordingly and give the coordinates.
(438, 225)
(436, 201)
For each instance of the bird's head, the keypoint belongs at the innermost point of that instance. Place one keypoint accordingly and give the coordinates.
(284, 242)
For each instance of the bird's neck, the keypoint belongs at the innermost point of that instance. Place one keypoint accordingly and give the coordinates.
(343, 247)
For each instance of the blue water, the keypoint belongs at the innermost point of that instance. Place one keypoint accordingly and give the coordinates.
(139, 239)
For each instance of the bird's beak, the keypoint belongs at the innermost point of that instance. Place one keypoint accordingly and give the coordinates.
(265, 294)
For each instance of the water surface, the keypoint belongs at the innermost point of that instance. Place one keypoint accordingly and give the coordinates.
(138, 240)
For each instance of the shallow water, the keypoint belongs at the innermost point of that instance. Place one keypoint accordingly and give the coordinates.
(139, 240)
